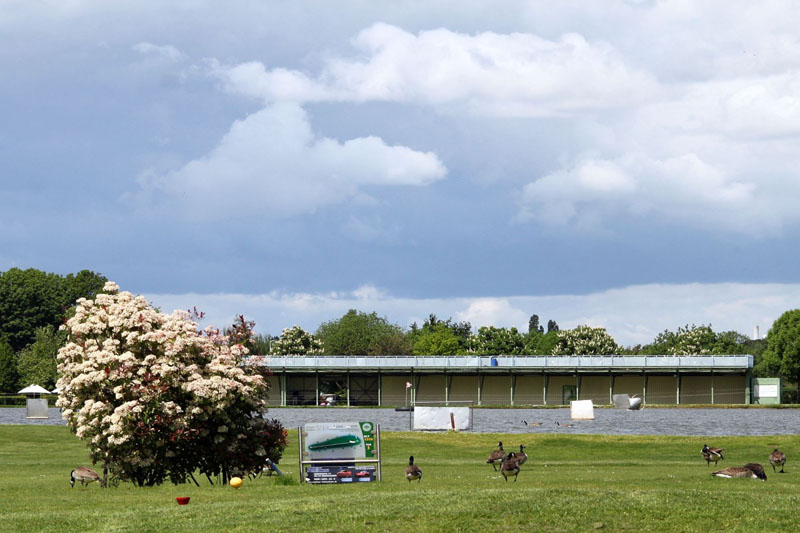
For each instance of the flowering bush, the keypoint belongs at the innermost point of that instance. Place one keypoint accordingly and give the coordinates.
(296, 341)
(585, 340)
(157, 399)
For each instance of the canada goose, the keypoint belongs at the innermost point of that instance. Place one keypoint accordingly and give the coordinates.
(521, 457)
(751, 470)
(564, 425)
(712, 454)
(532, 424)
(510, 466)
(84, 475)
(413, 471)
(496, 456)
(777, 458)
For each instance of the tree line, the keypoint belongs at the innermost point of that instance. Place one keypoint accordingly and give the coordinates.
(33, 304)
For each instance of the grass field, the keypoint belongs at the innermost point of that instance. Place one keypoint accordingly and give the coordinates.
(570, 483)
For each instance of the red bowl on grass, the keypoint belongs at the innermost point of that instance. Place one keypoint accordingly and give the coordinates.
(182, 500)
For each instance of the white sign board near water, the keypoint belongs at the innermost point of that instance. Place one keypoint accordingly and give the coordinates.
(766, 391)
(438, 418)
(581, 410)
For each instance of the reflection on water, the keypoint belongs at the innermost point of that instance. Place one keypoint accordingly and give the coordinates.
(700, 422)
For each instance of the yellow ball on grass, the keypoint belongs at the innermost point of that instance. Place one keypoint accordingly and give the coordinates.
(236, 482)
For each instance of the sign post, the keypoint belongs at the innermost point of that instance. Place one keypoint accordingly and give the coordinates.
(340, 452)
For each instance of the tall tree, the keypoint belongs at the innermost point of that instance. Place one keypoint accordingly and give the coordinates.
(585, 340)
(31, 299)
(782, 356)
(359, 333)
(491, 340)
(8, 368)
(36, 363)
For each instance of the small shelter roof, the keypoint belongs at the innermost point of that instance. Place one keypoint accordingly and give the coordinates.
(34, 389)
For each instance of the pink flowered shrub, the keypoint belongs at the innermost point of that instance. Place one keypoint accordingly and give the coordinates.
(156, 399)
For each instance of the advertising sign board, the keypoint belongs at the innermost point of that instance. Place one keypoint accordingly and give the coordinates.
(332, 450)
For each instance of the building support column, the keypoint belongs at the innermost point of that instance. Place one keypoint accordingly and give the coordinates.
(546, 383)
(577, 386)
(610, 387)
(380, 383)
(414, 384)
(446, 389)
(513, 383)
(283, 388)
(712, 387)
(678, 388)
(316, 386)
(348, 388)
(644, 387)
(748, 384)
(480, 388)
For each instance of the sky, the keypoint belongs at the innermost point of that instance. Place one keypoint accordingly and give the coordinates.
(629, 164)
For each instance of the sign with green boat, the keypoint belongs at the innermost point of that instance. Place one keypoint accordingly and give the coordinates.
(339, 440)
(340, 452)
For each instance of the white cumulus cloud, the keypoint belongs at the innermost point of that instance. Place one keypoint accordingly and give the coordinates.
(272, 163)
(517, 74)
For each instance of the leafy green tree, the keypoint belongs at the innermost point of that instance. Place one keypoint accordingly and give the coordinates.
(440, 337)
(585, 340)
(437, 340)
(358, 333)
(491, 340)
(296, 341)
(782, 355)
(8, 368)
(36, 363)
(551, 326)
(545, 344)
(31, 299)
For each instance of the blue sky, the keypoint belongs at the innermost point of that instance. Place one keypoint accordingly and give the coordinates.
(628, 164)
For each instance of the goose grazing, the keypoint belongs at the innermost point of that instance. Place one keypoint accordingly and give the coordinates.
(532, 424)
(510, 466)
(564, 425)
(84, 475)
(413, 471)
(521, 457)
(751, 470)
(496, 456)
(712, 454)
(777, 458)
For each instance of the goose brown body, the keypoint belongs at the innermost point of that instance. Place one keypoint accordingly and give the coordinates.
(777, 458)
(84, 476)
(497, 456)
(521, 457)
(750, 470)
(413, 471)
(712, 454)
(510, 466)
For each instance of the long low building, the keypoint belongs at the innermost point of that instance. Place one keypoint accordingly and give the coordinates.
(507, 380)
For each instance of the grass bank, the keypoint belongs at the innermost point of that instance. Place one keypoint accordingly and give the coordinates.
(570, 483)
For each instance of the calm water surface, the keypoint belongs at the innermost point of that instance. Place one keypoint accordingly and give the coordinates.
(690, 422)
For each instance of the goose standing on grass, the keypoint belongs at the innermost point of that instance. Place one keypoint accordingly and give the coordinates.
(496, 456)
(521, 457)
(510, 466)
(84, 475)
(413, 471)
(751, 470)
(777, 458)
(712, 454)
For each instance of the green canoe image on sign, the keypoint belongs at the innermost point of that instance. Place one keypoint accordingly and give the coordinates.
(336, 442)
(339, 440)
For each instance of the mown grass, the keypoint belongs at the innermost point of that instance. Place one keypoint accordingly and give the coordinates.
(570, 483)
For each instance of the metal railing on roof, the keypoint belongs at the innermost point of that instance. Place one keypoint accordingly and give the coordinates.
(356, 362)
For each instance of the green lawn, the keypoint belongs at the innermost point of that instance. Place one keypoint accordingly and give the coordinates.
(570, 483)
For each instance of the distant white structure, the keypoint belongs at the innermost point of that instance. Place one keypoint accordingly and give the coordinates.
(756, 333)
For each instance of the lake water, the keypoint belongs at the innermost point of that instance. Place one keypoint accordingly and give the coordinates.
(689, 422)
